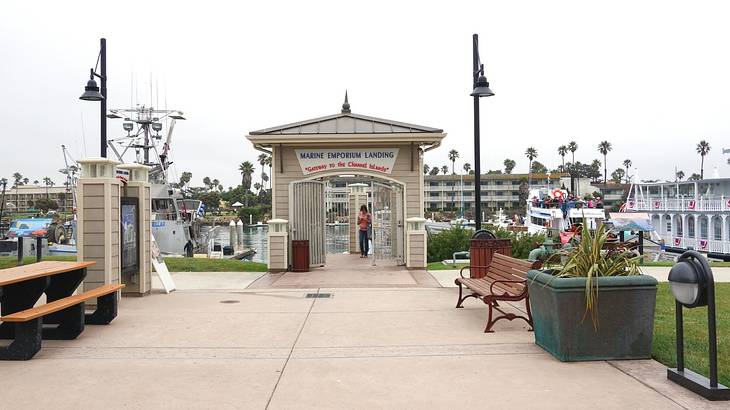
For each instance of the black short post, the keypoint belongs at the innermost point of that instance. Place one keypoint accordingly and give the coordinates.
(680, 335)
(38, 248)
(20, 250)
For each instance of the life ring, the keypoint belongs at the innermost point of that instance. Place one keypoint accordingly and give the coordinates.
(557, 193)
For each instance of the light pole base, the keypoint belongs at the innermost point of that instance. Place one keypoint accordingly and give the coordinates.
(698, 384)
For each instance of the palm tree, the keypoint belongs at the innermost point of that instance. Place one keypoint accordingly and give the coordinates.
(47, 181)
(25, 181)
(246, 168)
(35, 182)
(268, 162)
(603, 148)
(703, 148)
(530, 153)
(627, 165)
(265, 177)
(562, 150)
(426, 168)
(206, 182)
(262, 162)
(679, 175)
(18, 177)
(509, 165)
(257, 186)
(467, 167)
(572, 147)
(434, 171)
(453, 156)
(445, 169)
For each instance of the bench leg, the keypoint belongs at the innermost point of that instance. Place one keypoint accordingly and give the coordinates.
(529, 314)
(460, 302)
(70, 323)
(19, 296)
(492, 303)
(27, 341)
(106, 310)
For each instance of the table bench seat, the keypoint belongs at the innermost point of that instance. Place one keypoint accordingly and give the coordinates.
(64, 319)
(505, 280)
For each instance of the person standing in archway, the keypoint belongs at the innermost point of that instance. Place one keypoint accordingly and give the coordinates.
(363, 221)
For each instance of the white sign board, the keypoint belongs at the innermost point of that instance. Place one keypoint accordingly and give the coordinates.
(160, 267)
(379, 160)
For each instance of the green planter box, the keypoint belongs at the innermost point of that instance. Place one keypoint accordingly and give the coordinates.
(625, 317)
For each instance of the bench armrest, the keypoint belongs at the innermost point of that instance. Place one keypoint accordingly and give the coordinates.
(461, 271)
(491, 287)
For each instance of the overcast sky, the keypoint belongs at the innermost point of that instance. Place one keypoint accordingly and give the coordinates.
(653, 78)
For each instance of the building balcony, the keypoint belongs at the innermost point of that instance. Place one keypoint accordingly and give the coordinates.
(679, 204)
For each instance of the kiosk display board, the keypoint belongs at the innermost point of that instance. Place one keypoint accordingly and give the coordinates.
(129, 240)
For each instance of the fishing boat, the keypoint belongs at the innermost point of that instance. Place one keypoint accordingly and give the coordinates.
(550, 209)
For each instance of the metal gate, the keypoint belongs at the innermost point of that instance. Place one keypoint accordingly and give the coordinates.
(307, 216)
(387, 211)
(337, 206)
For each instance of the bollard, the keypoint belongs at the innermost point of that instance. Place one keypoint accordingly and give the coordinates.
(232, 234)
(239, 229)
(38, 248)
(20, 250)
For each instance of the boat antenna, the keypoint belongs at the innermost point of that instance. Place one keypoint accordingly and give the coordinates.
(83, 133)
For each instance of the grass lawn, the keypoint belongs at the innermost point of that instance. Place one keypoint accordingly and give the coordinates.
(173, 264)
(695, 333)
(213, 265)
(441, 266)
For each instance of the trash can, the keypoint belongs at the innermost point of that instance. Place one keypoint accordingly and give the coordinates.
(300, 255)
(228, 250)
(481, 251)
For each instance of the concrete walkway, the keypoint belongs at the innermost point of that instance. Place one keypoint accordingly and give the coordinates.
(397, 348)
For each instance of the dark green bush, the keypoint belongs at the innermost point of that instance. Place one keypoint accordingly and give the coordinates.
(443, 244)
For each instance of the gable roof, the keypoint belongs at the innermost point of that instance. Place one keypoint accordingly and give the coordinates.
(346, 123)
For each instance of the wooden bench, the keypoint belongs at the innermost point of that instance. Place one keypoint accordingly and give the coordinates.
(505, 280)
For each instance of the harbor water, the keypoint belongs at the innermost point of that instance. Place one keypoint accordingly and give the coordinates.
(337, 239)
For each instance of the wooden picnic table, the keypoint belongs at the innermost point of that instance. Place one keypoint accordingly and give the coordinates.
(22, 286)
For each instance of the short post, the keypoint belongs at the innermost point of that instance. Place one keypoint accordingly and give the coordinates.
(278, 237)
(232, 234)
(239, 231)
(416, 243)
(38, 248)
(20, 250)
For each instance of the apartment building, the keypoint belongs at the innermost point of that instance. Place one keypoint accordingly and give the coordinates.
(24, 197)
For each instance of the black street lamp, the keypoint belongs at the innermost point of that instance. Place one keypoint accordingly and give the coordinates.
(93, 93)
(481, 89)
(692, 285)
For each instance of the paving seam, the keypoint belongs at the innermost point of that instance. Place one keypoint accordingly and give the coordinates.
(647, 385)
(299, 333)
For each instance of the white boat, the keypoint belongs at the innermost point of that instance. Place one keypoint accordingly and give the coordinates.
(687, 214)
(541, 215)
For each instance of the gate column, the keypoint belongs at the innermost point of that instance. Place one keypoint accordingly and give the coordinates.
(357, 198)
(278, 245)
(416, 242)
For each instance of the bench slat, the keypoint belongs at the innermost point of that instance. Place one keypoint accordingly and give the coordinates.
(60, 304)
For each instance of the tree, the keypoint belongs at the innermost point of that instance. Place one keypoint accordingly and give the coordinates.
(185, 178)
(509, 165)
(434, 171)
(269, 162)
(467, 167)
(262, 162)
(453, 156)
(594, 170)
(562, 150)
(426, 168)
(211, 200)
(25, 181)
(694, 177)
(627, 165)
(703, 148)
(18, 177)
(604, 147)
(35, 182)
(679, 175)
(265, 177)
(445, 169)
(45, 204)
(538, 168)
(257, 186)
(207, 183)
(530, 153)
(572, 147)
(48, 183)
(246, 169)
(617, 175)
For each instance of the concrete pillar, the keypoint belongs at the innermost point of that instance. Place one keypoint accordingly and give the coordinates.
(416, 243)
(97, 236)
(232, 234)
(138, 186)
(357, 197)
(239, 232)
(278, 245)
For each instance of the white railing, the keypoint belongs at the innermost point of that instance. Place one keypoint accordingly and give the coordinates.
(679, 204)
(704, 245)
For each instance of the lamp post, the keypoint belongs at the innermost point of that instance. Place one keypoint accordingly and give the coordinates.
(93, 93)
(481, 89)
(692, 285)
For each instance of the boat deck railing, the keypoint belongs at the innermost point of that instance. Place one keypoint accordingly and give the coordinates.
(679, 204)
